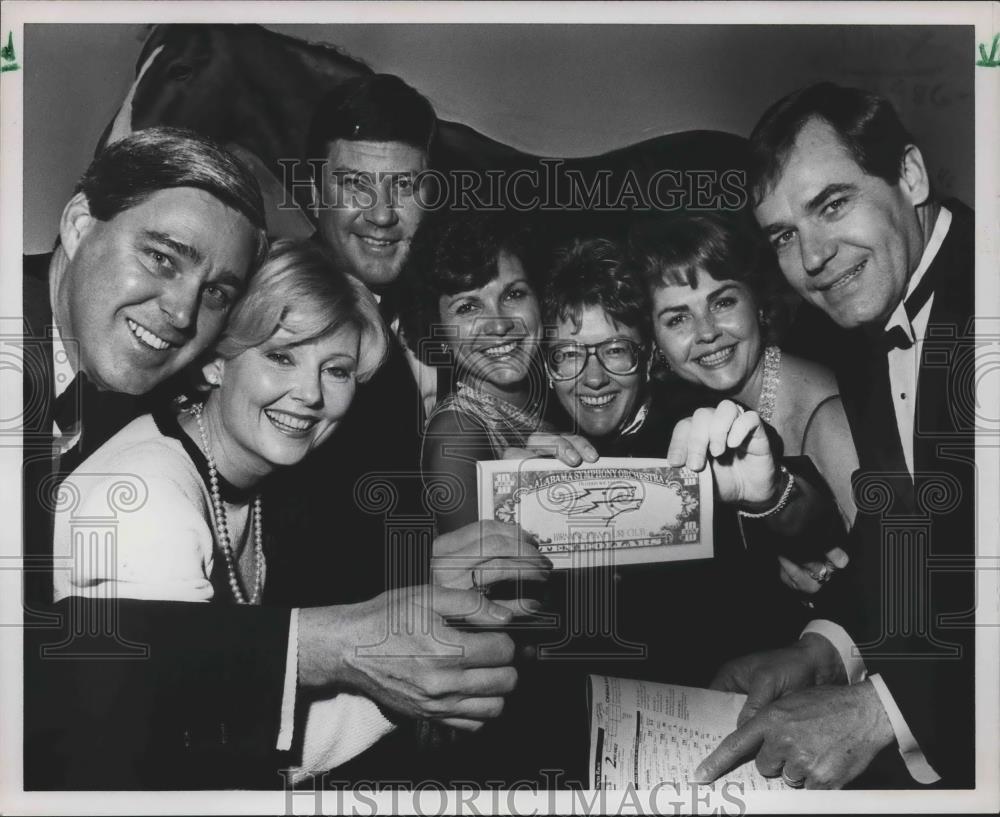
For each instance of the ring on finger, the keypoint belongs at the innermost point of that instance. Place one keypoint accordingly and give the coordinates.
(792, 782)
(823, 575)
(482, 589)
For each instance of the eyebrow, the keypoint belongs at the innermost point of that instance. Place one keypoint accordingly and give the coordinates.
(812, 205)
(715, 293)
(230, 278)
(225, 277)
(294, 344)
(178, 247)
(454, 299)
(830, 190)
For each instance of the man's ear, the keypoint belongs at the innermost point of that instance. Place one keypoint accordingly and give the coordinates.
(913, 176)
(75, 223)
(213, 371)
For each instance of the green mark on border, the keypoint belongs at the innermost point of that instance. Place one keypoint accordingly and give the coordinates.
(992, 61)
(8, 59)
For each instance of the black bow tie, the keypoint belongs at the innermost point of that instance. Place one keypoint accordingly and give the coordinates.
(895, 337)
(97, 415)
(67, 406)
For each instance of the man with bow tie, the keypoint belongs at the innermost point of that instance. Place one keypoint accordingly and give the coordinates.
(156, 244)
(154, 247)
(844, 196)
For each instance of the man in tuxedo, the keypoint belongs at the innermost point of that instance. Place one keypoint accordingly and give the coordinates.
(844, 196)
(160, 237)
(154, 246)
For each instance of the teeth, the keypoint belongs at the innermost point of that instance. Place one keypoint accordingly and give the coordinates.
(846, 279)
(716, 357)
(147, 337)
(376, 242)
(597, 402)
(287, 421)
(500, 351)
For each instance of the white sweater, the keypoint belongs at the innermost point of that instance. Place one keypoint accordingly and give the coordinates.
(133, 521)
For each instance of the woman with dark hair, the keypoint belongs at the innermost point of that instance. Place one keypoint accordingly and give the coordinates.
(672, 621)
(470, 303)
(717, 312)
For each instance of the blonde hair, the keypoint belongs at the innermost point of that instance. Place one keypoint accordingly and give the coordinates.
(301, 288)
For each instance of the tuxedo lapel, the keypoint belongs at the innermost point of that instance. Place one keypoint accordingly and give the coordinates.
(38, 380)
(947, 351)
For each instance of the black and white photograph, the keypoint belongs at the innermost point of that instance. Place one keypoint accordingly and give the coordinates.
(499, 408)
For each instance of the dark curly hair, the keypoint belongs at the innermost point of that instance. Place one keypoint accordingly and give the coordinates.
(454, 252)
(592, 272)
(669, 250)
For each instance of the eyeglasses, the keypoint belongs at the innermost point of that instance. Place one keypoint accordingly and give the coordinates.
(566, 361)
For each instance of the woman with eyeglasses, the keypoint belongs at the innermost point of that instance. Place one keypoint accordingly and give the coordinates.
(675, 622)
(597, 314)
(596, 360)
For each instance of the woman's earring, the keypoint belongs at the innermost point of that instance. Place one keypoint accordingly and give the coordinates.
(658, 364)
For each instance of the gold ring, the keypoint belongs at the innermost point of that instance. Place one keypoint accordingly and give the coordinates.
(792, 784)
(823, 575)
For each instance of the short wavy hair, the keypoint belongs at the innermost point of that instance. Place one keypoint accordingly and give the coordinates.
(300, 287)
(127, 172)
(866, 124)
(669, 250)
(372, 108)
(454, 252)
(593, 272)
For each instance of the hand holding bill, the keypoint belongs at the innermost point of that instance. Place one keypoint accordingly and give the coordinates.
(430, 670)
(735, 444)
(571, 449)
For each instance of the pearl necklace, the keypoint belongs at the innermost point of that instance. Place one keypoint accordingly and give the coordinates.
(769, 386)
(221, 524)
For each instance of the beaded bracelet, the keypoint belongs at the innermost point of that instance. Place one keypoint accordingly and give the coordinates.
(781, 503)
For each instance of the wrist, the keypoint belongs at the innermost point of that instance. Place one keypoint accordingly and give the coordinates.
(781, 487)
(882, 732)
(824, 658)
(322, 648)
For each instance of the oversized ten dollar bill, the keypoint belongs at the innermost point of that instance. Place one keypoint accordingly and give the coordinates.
(629, 510)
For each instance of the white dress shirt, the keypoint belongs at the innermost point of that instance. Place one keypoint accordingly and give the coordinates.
(904, 368)
(904, 364)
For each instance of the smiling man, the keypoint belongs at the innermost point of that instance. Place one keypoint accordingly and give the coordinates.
(154, 247)
(157, 243)
(374, 133)
(143, 291)
(369, 143)
(844, 196)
